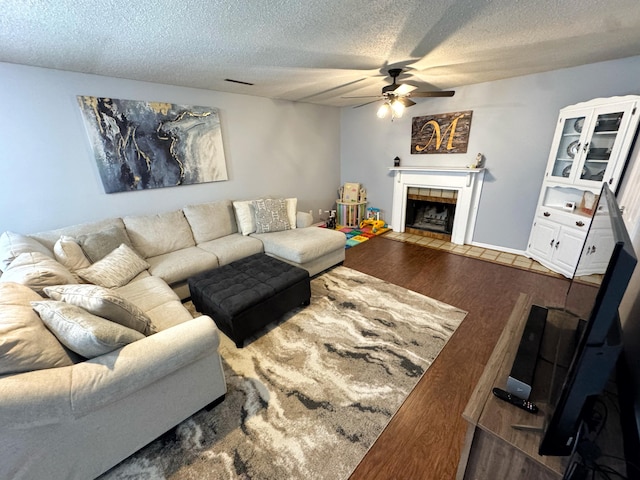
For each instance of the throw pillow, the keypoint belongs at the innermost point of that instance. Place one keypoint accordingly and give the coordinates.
(13, 244)
(271, 215)
(37, 270)
(80, 331)
(245, 216)
(292, 210)
(70, 254)
(25, 343)
(104, 303)
(98, 245)
(116, 269)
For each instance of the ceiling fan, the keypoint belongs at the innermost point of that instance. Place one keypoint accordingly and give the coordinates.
(396, 96)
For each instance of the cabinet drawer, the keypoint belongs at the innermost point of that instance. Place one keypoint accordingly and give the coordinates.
(561, 217)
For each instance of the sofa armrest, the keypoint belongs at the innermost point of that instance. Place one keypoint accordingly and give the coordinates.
(303, 219)
(105, 379)
(50, 396)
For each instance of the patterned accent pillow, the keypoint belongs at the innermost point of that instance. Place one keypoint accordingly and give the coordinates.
(116, 269)
(82, 332)
(104, 303)
(271, 215)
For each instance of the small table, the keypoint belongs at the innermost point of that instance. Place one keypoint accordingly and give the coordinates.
(244, 296)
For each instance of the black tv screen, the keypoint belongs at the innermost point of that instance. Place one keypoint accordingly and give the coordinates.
(601, 278)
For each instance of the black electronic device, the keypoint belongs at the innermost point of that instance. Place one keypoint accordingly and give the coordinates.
(599, 342)
(520, 379)
(517, 401)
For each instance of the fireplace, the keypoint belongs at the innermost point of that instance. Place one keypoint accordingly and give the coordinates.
(455, 191)
(430, 212)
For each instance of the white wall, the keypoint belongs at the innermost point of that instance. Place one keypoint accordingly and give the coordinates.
(48, 176)
(512, 125)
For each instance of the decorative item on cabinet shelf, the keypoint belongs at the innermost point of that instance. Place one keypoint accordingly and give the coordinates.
(569, 206)
(588, 201)
(396, 162)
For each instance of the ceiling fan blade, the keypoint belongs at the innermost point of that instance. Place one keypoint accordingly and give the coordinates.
(406, 102)
(364, 96)
(404, 89)
(443, 93)
(363, 104)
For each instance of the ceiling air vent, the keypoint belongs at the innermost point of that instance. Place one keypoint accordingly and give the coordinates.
(237, 81)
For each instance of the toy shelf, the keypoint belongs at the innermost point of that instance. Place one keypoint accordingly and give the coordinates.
(350, 214)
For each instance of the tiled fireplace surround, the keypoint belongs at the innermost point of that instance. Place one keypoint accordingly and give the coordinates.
(467, 182)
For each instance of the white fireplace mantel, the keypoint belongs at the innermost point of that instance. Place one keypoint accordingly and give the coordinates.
(467, 182)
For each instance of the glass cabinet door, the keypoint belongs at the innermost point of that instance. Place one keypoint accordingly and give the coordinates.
(569, 148)
(600, 145)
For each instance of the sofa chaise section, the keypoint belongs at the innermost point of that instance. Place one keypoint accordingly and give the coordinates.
(314, 249)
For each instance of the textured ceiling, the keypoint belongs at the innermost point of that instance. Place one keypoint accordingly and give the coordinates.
(316, 51)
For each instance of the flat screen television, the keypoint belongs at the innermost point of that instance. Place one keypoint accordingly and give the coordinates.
(602, 274)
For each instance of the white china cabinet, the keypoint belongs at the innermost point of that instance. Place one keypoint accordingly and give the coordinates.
(591, 145)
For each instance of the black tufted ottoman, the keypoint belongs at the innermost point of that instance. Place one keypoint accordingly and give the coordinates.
(248, 294)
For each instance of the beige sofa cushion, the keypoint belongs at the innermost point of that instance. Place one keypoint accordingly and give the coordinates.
(25, 343)
(212, 220)
(97, 245)
(116, 269)
(154, 235)
(13, 244)
(179, 265)
(302, 245)
(50, 237)
(37, 270)
(82, 332)
(232, 247)
(105, 303)
(157, 300)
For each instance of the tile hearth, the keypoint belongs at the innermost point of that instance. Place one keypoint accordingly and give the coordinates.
(486, 254)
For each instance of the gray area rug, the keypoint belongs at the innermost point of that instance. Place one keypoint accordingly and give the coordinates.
(309, 396)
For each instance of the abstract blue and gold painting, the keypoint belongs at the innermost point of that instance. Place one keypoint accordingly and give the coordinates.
(140, 145)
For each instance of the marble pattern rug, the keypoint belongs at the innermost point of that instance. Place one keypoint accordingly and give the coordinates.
(309, 395)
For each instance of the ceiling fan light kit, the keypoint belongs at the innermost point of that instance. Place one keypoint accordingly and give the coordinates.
(396, 96)
(383, 110)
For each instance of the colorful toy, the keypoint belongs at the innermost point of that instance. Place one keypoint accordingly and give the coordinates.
(373, 219)
(331, 221)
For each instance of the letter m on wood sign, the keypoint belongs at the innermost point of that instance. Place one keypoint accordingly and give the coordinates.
(442, 133)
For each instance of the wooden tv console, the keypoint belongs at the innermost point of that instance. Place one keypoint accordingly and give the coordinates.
(493, 447)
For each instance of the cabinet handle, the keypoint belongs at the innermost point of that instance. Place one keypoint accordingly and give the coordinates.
(593, 249)
(546, 214)
(586, 146)
(580, 223)
(551, 244)
(557, 243)
(588, 250)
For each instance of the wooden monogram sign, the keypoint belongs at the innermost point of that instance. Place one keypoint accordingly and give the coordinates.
(442, 133)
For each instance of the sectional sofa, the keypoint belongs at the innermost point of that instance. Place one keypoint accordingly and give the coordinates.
(99, 355)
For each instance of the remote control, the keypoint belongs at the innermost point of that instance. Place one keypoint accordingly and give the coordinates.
(513, 400)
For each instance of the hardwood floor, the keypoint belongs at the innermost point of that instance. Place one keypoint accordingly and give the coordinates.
(424, 439)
